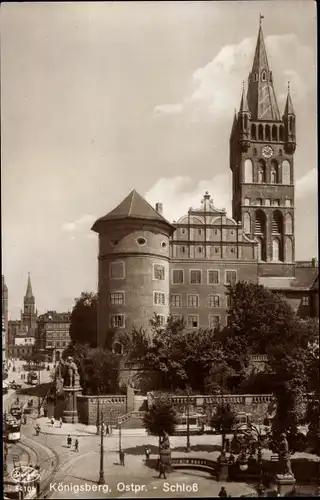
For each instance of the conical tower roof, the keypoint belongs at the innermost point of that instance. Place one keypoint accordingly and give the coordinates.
(29, 294)
(244, 108)
(134, 206)
(261, 95)
(288, 109)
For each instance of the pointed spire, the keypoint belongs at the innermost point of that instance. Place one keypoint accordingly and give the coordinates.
(244, 108)
(29, 294)
(288, 109)
(261, 96)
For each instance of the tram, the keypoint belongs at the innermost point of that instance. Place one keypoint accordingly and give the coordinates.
(196, 425)
(32, 378)
(13, 427)
(16, 411)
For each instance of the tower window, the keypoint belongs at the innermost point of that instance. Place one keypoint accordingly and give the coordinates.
(276, 249)
(261, 256)
(175, 300)
(213, 277)
(277, 222)
(268, 133)
(274, 133)
(247, 223)
(261, 172)
(195, 277)
(117, 321)
(214, 301)
(274, 177)
(193, 321)
(141, 241)
(117, 270)
(159, 298)
(259, 201)
(214, 321)
(253, 132)
(281, 133)
(247, 201)
(248, 167)
(177, 276)
(158, 272)
(263, 76)
(259, 223)
(260, 132)
(231, 277)
(117, 298)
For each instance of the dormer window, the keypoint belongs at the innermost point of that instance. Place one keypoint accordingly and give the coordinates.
(263, 76)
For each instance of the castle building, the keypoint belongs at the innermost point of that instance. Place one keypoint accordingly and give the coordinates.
(21, 333)
(147, 265)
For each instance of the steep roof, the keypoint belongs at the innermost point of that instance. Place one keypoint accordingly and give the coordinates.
(29, 294)
(305, 279)
(261, 95)
(134, 206)
(288, 109)
(244, 107)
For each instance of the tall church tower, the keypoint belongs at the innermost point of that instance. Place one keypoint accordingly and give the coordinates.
(262, 146)
(29, 314)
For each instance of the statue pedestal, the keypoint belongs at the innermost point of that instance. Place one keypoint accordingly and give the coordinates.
(285, 484)
(70, 412)
(223, 470)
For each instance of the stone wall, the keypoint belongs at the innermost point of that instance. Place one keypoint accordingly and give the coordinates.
(112, 406)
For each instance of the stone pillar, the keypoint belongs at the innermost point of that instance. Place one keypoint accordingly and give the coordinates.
(130, 399)
(285, 484)
(70, 412)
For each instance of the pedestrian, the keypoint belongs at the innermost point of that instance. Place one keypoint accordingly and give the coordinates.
(60, 422)
(98, 429)
(69, 441)
(147, 452)
(107, 430)
(76, 445)
(52, 421)
(121, 456)
(162, 470)
(223, 493)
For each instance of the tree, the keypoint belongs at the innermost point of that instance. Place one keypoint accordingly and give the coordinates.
(258, 317)
(161, 417)
(83, 327)
(223, 421)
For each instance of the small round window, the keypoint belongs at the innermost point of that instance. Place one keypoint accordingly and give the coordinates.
(163, 244)
(141, 241)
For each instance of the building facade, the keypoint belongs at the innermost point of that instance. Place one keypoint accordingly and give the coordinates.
(148, 266)
(53, 333)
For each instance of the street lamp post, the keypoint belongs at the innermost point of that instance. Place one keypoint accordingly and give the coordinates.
(101, 472)
(39, 400)
(120, 438)
(188, 422)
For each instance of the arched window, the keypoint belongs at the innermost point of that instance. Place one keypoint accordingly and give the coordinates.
(289, 250)
(247, 223)
(259, 222)
(291, 124)
(286, 175)
(268, 133)
(281, 133)
(261, 171)
(276, 249)
(277, 222)
(261, 252)
(274, 132)
(280, 152)
(245, 122)
(263, 76)
(274, 172)
(248, 168)
(289, 224)
(253, 131)
(260, 132)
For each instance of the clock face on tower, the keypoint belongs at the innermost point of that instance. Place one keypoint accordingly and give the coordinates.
(267, 151)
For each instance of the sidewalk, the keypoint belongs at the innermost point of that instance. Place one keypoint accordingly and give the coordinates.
(81, 429)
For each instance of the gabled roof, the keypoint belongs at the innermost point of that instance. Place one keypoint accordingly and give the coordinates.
(261, 95)
(134, 206)
(305, 279)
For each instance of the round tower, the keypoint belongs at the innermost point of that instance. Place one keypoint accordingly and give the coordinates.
(133, 269)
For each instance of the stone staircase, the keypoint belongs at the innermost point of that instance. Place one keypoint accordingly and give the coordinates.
(131, 421)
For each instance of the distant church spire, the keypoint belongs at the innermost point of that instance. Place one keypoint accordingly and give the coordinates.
(29, 294)
(261, 95)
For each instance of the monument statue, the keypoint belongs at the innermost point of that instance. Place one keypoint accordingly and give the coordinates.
(71, 375)
(284, 456)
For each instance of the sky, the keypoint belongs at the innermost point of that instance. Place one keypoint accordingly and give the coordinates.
(98, 99)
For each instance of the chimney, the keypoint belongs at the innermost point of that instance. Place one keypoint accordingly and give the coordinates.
(159, 208)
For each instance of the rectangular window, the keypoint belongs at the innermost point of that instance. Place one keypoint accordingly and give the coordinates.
(276, 203)
(117, 321)
(117, 270)
(176, 317)
(158, 272)
(213, 277)
(231, 277)
(214, 321)
(305, 300)
(259, 201)
(193, 321)
(162, 319)
(177, 276)
(175, 301)
(159, 298)
(247, 201)
(228, 301)
(288, 202)
(195, 277)
(228, 320)
(214, 301)
(117, 298)
(267, 202)
(193, 300)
